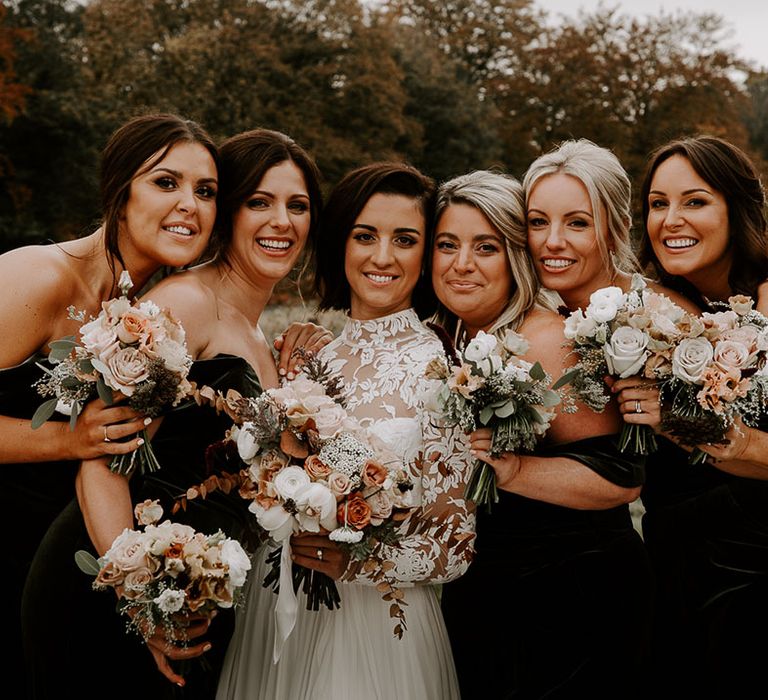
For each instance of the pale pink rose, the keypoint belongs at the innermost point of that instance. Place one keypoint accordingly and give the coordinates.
(717, 323)
(741, 303)
(626, 352)
(124, 369)
(129, 551)
(136, 582)
(381, 507)
(746, 335)
(340, 484)
(690, 358)
(97, 337)
(731, 356)
(330, 420)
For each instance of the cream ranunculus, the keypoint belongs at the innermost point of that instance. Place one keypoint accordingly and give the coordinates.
(690, 358)
(480, 347)
(626, 351)
(604, 304)
(289, 481)
(577, 325)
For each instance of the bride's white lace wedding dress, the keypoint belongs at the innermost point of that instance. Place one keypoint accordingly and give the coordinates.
(352, 652)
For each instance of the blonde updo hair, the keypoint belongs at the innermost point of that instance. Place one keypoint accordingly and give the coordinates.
(607, 184)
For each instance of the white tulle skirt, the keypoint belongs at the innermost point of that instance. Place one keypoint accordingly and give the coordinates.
(344, 654)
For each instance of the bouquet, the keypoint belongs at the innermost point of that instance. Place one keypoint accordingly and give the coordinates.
(137, 349)
(717, 372)
(490, 385)
(310, 467)
(623, 334)
(167, 573)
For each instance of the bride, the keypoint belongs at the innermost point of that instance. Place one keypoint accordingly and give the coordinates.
(378, 215)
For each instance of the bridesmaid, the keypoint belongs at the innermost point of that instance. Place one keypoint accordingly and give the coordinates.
(706, 526)
(556, 599)
(158, 189)
(268, 209)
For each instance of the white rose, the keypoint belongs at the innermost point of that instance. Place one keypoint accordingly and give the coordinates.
(247, 447)
(236, 560)
(626, 352)
(317, 505)
(148, 512)
(690, 358)
(331, 420)
(170, 601)
(129, 551)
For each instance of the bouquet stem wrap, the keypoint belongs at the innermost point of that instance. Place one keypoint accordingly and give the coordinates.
(287, 603)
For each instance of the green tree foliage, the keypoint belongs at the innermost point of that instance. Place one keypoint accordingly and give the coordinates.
(449, 86)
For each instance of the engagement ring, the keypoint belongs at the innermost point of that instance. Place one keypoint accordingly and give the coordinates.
(106, 437)
(320, 554)
(638, 407)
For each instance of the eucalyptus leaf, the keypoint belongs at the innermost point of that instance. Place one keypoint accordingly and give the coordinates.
(105, 393)
(85, 366)
(549, 398)
(66, 343)
(87, 563)
(567, 378)
(43, 413)
(506, 410)
(537, 372)
(486, 414)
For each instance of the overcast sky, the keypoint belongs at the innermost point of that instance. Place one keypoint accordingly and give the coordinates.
(747, 18)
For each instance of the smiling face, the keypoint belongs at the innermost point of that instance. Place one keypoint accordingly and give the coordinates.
(563, 239)
(688, 223)
(470, 268)
(171, 208)
(383, 255)
(270, 228)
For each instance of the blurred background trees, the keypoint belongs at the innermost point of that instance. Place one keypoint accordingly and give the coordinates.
(449, 86)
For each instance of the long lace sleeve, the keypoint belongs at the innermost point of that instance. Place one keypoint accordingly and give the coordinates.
(382, 363)
(437, 540)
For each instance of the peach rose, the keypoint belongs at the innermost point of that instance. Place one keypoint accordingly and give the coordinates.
(316, 468)
(136, 582)
(133, 327)
(374, 474)
(354, 512)
(381, 507)
(339, 484)
(110, 575)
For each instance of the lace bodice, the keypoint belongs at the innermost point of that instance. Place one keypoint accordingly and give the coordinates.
(382, 364)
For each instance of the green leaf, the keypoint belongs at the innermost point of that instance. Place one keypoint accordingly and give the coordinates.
(66, 343)
(75, 413)
(486, 414)
(549, 398)
(85, 366)
(537, 372)
(567, 378)
(43, 413)
(506, 410)
(105, 393)
(87, 563)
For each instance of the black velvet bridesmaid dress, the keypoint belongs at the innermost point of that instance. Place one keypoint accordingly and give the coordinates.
(73, 637)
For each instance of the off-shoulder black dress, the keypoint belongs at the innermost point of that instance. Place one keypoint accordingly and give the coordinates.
(707, 536)
(557, 601)
(34, 493)
(73, 636)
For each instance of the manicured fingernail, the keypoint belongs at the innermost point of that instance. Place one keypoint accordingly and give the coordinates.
(214, 613)
(207, 647)
(473, 453)
(290, 375)
(281, 372)
(140, 442)
(147, 421)
(180, 684)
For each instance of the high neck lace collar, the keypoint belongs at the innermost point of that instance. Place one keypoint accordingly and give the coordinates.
(400, 324)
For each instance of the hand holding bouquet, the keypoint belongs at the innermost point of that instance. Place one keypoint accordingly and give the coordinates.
(623, 335)
(167, 574)
(490, 385)
(136, 349)
(718, 373)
